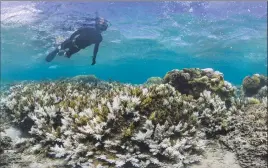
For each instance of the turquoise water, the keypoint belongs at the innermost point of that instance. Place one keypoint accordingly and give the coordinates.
(145, 39)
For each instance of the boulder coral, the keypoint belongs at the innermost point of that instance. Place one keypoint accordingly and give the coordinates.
(194, 81)
(252, 84)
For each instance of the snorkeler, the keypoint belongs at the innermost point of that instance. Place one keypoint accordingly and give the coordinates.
(81, 39)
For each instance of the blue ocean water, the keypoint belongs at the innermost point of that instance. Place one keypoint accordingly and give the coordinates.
(145, 39)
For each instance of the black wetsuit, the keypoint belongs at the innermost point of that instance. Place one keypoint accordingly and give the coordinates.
(80, 39)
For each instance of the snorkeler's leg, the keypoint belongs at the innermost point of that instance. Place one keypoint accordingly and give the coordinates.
(64, 47)
(59, 50)
(52, 55)
(71, 51)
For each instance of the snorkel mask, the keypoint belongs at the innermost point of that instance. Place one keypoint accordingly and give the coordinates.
(101, 24)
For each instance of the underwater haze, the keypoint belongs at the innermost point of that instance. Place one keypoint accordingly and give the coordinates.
(145, 39)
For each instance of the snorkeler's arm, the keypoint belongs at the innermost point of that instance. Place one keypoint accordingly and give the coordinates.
(96, 49)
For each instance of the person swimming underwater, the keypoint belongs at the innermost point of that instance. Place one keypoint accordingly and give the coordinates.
(81, 39)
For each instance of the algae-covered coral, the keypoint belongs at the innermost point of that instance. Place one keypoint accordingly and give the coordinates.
(252, 85)
(194, 81)
(94, 123)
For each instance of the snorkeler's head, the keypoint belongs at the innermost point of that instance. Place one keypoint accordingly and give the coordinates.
(101, 24)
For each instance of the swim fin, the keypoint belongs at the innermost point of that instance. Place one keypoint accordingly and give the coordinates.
(52, 55)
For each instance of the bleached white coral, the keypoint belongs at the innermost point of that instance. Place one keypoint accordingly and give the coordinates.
(57, 151)
(116, 103)
(264, 101)
(83, 118)
(11, 104)
(208, 70)
(144, 91)
(87, 129)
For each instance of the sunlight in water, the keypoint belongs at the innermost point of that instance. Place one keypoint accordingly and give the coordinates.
(144, 39)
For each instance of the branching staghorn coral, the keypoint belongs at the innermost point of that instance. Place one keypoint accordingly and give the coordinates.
(115, 125)
(90, 123)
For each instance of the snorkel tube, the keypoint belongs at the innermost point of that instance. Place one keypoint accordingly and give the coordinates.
(97, 18)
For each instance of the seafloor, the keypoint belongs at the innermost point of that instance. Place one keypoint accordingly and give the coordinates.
(188, 118)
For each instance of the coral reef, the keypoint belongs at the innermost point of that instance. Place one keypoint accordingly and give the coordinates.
(194, 81)
(86, 122)
(252, 85)
(249, 140)
(5, 143)
(83, 78)
(153, 80)
(254, 90)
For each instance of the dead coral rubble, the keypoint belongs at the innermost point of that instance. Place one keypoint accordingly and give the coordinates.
(249, 140)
